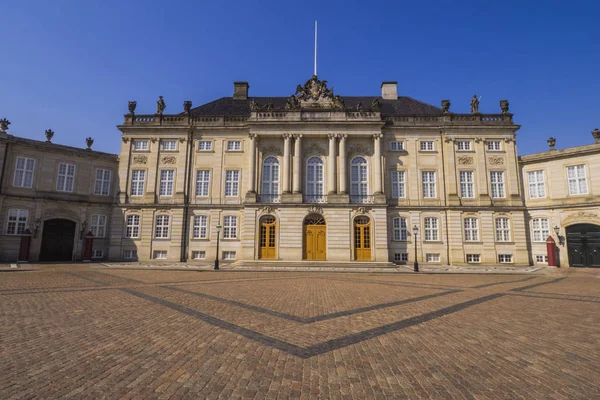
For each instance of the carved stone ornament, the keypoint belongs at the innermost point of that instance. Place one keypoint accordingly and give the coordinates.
(131, 105)
(551, 143)
(357, 149)
(315, 149)
(153, 139)
(266, 209)
(496, 160)
(315, 209)
(504, 106)
(595, 134)
(464, 160)
(169, 160)
(49, 135)
(187, 106)
(315, 94)
(160, 105)
(361, 210)
(271, 149)
(446, 106)
(182, 139)
(140, 159)
(581, 216)
(125, 139)
(89, 142)
(449, 139)
(4, 123)
(292, 103)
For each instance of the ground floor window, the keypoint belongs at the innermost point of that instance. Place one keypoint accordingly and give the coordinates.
(541, 259)
(229, 255)
(97, 253)
(160, 254)
(432, 257)
(400, 257)
(130, 254)
(505, 258)
(198, 255)
(473, 258)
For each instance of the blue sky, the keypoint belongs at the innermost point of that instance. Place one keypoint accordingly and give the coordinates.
(73, 65)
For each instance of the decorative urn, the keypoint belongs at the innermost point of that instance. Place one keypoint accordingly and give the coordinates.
(49, 135)
(551, 143)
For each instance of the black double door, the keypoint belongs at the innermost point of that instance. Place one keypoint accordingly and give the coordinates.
(583, 245)
(58, 239)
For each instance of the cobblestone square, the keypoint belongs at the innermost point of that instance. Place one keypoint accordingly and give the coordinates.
(87, 332)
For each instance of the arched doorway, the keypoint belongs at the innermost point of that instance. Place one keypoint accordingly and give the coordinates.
(315, 242)
(268, 250)
(57, 240)
(362, 238)
(583, 245)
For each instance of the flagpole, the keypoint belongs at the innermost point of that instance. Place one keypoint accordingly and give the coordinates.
(315, 72)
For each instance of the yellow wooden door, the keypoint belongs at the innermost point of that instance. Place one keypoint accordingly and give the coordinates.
(267, 239)
(362, 240)
(315, 242)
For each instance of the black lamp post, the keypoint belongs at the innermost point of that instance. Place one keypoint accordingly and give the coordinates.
(218, 237)
(415, 233)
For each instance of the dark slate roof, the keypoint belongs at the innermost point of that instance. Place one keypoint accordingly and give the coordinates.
(58, 147)
(402, 106)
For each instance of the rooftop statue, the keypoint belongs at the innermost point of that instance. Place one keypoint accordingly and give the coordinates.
(160, 105)
(504, 106)
(292, 103)
(375, 104)
(446, 106)
(474, 105)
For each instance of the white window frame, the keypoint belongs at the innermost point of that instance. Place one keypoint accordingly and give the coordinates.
(270, 178)
(200, 227)
(497, 184)
(577, 179)
(98, 225)
(16, 221)
(65, 181)
(540, 227)
(429, 189)
(202, 182)
(24, 174)
(471, 229)
(427, 145)
(505, 258)
(541, 259)
(467, 184)
(230, 227)
(234, 145)
(493, 145)
(359, 176)
(400, 257)
(97, 253)
(228, 255)
(432, 229)
(396, 145)
(132, 226)
(463, 145)
(315, 182)
(398, 184)
(502, 225)
(141, 145)
(138, 182)
(432, 257)
(160, 254)
(103, 181)
(164, 147)
(205, 145)
(400, 229)
(130, 254)
(161, 227)
(198, 255)
(167, 182)
(473, 258)
(537, 185)
(232, 182)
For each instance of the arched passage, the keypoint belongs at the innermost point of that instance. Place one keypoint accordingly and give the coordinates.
(583, 245)
(315, 242)
(58, 239)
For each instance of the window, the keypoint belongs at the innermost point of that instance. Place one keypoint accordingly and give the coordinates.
(160, 255)
(400, 230)
(577, 179)
(97, 253)
(427, 145)
(428, 178)
(132, 226)
(471, 230)
(162, 227)
(229, 255)
(198, 255)
(137, 182)
(502, 229)
(541, 229)
(98, 225)
(140, 145)
(234, 145)
(204, 145)
(200, 226)
(466, 184)
(169, 145)
(494, 145)
(202, 182)
(432, 257)
(17, 222)
(431, 229)
(537, 187)
(396, 146)
(359, 180)
(130, 254)
(230, 227)
(24, 172)
(398, 189)
(167, 177)
(66, 177)
(497, 182)
(505, 258)
(232, 184)
(400, 257)
(463, 145)
(473, 258)
(541, 259)
(103, 178)
(270, 179)
(314, 179)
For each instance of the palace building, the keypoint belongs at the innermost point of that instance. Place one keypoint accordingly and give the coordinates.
(314, 176)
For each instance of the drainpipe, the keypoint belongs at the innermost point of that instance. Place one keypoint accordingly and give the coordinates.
(4, 166)
(186, 196)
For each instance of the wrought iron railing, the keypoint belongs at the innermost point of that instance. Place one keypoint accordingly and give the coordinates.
(362, 199)
(315, 198)
(269, 198)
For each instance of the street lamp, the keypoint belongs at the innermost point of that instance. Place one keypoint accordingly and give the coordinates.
(415, 233)
(218, 237)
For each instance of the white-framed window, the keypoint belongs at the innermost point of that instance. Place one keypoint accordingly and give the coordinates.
(505, 258)
(202, 182)
(473, 258)
(471, 226)
(426, 145)
(400, 257)
(467, 186)
(232, 183)
(66, 177)
(98, 225)
(541, 259)
(234, 145)
(205, 145)
(17, 222)
(161, 230)
(97, 253)
(541, 229)
(160, 255)
(198, 254)
(270, 179)
(229, 255)
(502, 229)
(314, 179)
(497, 182)
(200, 226)
(537, 186)
(432, 257)
(168, 145)
(130, 254)
(431, 229)
(463, 145)
(400, 229)
(138, 177)
(140, 145)
(494, 145)
(359, 178)
(103, 179)
(132, 226)
(167, 177)
(230, 227)
(428, 181)
(398, 185)
(396, 146)
(577, 179)
(24, 172)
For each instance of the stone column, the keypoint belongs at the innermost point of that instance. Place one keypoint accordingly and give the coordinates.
(252, 163)
(377, 188)
(286, 162)
(297, 172)
(331, 161)
(343, 164)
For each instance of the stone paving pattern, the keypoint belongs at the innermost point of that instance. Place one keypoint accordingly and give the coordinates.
(81, 332)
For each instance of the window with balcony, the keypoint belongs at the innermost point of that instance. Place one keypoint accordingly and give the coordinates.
(270, 180)
(315, 192)
(359, 181)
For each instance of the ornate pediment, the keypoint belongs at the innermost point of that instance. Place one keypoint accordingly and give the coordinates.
(314, 94)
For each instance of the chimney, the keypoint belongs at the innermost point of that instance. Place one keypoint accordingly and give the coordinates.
(389, 90)
(240, 90)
